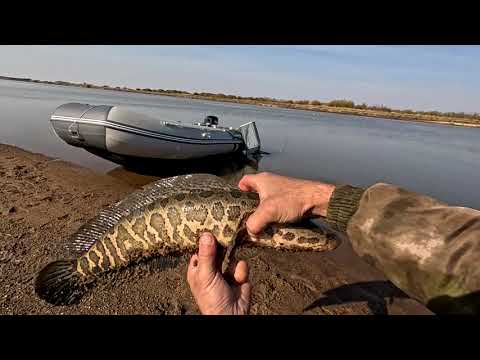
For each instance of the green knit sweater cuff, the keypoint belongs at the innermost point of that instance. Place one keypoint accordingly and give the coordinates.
(343, 204)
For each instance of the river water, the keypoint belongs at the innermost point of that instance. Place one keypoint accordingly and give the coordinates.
(438, 160)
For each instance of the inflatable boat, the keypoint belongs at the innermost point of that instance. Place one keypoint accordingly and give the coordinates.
(115, 133)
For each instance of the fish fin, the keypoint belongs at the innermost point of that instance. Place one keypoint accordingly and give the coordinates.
(59, 283)
(227, 257)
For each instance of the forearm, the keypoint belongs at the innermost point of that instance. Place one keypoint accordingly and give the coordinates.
(427, 248)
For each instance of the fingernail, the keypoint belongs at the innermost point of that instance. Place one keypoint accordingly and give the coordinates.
(253, 237)
(206, 239)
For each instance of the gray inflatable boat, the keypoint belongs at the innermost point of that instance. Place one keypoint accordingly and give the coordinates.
(117, 131)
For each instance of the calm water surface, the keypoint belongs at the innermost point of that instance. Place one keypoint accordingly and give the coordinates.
(441, 161)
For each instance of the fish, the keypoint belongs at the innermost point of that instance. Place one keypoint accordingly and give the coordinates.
(164, 220)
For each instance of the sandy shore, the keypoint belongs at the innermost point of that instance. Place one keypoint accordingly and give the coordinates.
(43, 201)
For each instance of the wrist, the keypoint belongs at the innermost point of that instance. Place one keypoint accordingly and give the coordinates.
(318, 198)
(343, 204)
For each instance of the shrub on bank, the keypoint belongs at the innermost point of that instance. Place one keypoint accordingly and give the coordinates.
(380, 108)
(302, 102)
(342, 103)
(362, 107)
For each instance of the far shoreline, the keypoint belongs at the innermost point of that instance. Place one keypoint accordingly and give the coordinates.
(389, 114)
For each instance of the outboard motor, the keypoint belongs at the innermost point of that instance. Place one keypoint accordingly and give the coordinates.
(210, 121)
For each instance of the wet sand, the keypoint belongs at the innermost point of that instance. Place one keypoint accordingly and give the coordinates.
(44, 200)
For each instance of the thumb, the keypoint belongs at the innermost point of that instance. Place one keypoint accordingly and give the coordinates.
(206, 254)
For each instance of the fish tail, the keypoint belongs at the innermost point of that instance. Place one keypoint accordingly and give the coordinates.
(59, 283)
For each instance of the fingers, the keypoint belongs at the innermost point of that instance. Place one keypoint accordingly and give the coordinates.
(260, 218)
(192, 269)
(244, 298)
(263, 215)
(248, 183)
(241, 272)
(243, 287)
(193, 262)
(206, 254)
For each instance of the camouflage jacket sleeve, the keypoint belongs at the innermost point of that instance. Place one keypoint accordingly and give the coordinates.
(426, 248)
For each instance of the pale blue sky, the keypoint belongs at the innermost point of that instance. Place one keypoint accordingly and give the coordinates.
(445, 78)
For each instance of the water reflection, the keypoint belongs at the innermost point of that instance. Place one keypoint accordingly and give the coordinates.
(139, 172)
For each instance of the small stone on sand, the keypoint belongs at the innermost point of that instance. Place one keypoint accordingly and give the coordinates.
(9, 210)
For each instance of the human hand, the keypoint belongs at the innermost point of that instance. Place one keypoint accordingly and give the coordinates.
(214, 296)
(284, 199)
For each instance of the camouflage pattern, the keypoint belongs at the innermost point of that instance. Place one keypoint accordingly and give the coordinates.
(425, 247)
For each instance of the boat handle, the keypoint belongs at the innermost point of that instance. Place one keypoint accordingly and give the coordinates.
(73, 131)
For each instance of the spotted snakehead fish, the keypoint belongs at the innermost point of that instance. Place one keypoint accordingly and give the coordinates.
(162, 220)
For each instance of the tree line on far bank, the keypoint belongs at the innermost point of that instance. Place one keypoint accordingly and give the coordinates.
(340, 103)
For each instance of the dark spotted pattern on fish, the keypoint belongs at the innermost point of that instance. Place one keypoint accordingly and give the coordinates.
(158, 223)
(233, 212)
(139, 227)
(269, 232)
(105, 264)
(216, 231)
(164, 202)
(200, 214)
(94, 258)
(308, 240)
(189, 211)
(122, 250)
(206, 194)
(126, 238)
(151, 238)
(113, 252)
(237, 194)
(228, 232)
(218, 211)
(83, 262)
(189, 234)
(180, 197)
(174, 217)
